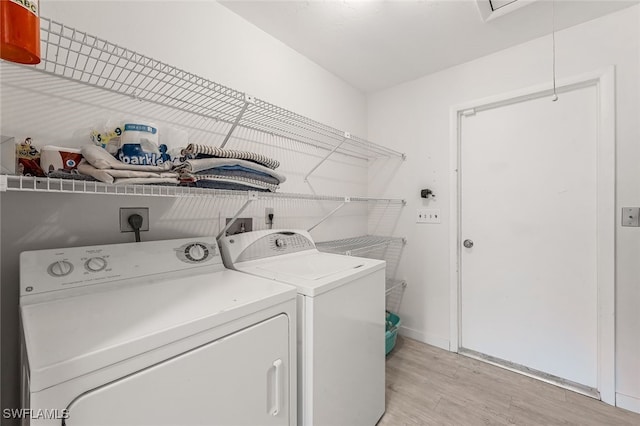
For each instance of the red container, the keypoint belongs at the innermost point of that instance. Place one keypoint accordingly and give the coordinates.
(20, 31)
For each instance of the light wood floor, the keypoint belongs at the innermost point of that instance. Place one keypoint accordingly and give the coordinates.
(431, 386)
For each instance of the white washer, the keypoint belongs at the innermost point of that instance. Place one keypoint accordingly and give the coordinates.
(341, 316)
(154, 333)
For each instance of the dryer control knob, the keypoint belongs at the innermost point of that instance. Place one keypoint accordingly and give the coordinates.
(280, 242)
(60, 268)
(197, 252)
(95, 264)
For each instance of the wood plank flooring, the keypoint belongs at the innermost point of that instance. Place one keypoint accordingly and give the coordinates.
(430, 386)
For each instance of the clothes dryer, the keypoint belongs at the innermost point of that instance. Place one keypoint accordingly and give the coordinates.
(154, 333)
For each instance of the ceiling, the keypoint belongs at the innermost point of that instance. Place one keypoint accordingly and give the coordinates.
(375, 44)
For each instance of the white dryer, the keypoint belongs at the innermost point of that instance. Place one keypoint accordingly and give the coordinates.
(341, 322)
(154, 333)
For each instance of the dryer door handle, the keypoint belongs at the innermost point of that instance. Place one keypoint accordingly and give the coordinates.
(277, 386)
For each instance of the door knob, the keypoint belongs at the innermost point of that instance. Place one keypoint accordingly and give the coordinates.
(468, 243)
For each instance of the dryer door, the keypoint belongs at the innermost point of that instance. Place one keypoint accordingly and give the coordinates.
(241, 379)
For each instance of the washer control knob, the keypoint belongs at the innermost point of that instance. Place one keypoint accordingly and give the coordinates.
(196, 252)
(60, 268)
(280, 242)
(95, 264)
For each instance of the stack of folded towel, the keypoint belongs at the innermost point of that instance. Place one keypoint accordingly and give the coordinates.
(101, 165)
(212, 167)
(200, 165)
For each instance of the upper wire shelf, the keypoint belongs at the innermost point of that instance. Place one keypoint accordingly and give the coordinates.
(38, 184)
(84, 58)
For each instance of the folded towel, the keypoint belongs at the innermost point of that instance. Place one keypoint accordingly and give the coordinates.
(197, 166)
(218, 171)
(100, 159)
(70, 174)
(147, 181)
(212, 151)
(253, 183)
(227, 185)
(126, 176)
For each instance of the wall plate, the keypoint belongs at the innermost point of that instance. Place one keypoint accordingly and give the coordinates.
(428, 216)
(630, 216)
(242, 224)
(125, 212)
(267, 212)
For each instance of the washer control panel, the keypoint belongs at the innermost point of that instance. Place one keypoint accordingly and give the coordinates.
(263, 244)
(46, 271)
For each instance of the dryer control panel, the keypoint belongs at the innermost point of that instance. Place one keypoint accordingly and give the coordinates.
(45, 271)
(262, 244)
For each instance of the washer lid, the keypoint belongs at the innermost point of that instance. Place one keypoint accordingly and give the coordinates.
(70, 337)
(313, 266)
(312, 272)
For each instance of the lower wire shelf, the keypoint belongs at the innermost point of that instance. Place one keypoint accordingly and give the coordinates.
(358, 245)
(394, 285)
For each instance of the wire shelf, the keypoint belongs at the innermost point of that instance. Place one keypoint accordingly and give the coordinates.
(84, 58)
(358, 245)
(36, 184)
(394, 293)
(393, 285)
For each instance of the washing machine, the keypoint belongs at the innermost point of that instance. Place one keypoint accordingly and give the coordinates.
(341, 322)
(154, 333)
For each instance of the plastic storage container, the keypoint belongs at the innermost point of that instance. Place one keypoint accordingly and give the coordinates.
(393, 323)
(20, 31)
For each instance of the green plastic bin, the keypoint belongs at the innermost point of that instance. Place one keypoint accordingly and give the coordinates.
(393, 323)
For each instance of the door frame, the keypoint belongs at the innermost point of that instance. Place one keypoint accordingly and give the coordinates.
(604, 82)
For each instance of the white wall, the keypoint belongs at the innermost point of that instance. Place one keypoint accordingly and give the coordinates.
(201, 37)
(415, 117)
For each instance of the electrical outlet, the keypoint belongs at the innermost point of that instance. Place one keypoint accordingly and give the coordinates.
(630, 216)
(428, 216)
(242, 224)
(125, 212)
(268, 211)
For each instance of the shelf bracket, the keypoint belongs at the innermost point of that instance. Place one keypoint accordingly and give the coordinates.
(4, 183)
(248, 99)
(252, 196)
(327, 216)
(347, 136)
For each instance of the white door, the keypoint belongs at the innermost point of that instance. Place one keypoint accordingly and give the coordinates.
(241, 379)
(528, 205)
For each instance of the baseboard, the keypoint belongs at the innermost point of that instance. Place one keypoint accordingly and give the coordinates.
(627, 402)
(424, 337)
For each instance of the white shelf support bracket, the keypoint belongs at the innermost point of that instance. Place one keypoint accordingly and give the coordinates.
(347, 136)
(248, 99)
(252, 196)
(328, 215)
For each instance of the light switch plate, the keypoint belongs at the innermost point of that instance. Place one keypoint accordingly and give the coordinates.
(428, 216)
(630, 216)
